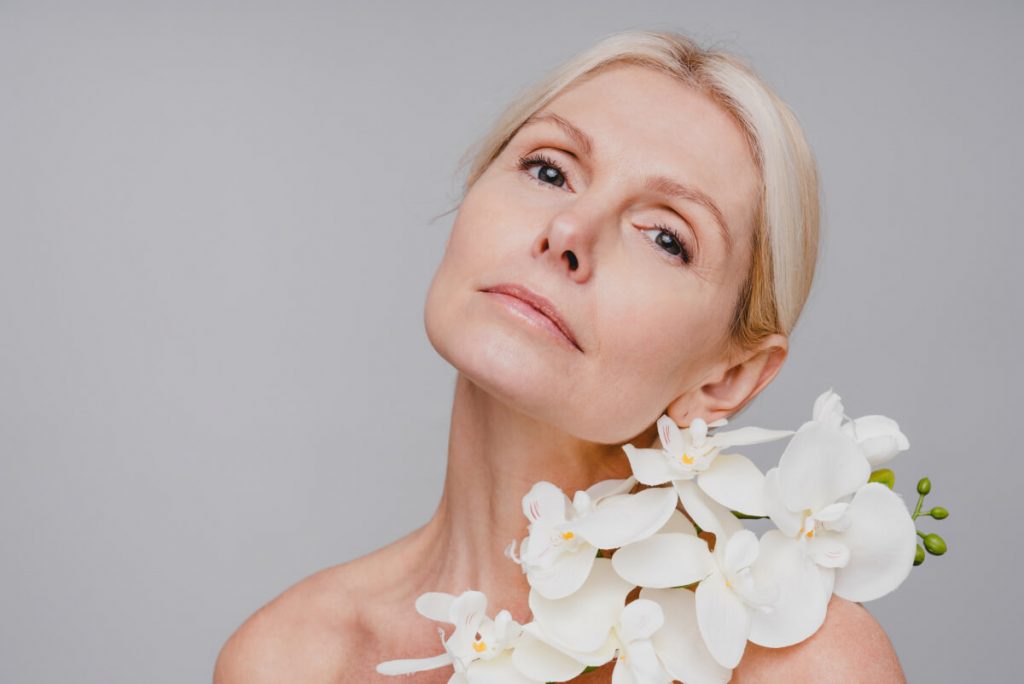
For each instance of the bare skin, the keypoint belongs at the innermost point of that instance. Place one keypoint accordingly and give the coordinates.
(648, 335)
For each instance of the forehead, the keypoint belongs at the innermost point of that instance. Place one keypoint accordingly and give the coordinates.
(643, 122)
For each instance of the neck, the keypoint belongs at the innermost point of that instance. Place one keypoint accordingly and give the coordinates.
(495, 455)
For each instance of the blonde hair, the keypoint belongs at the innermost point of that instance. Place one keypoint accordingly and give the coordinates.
(785, 237)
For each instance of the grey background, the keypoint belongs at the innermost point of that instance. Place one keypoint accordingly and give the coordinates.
(215, 243)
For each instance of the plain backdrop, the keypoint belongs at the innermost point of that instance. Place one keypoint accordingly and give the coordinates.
(216, 241)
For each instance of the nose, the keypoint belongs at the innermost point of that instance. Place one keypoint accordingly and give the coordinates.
(567, 241)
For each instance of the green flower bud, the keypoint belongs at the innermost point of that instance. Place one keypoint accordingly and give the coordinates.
(935, 544)
(919, 555)
(924, 485)
(885, 476)
(939, 513)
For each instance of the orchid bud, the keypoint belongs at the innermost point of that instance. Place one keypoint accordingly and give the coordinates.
(924, 485)
(935, 544)
(939, 513)
(919, 555)
(885, 476)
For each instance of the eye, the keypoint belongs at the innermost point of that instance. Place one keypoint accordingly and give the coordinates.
(668, 240)
(549, 170)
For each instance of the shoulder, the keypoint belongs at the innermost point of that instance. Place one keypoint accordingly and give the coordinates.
(849, 647)
(304, 634)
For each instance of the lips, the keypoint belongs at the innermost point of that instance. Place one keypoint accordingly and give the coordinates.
(539, 303)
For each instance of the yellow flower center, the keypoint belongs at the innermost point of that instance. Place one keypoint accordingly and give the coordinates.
(810, 533)
(567, 535)
(688, 460)
(479, 646)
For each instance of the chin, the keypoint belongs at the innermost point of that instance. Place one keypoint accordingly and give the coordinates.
(503, 364)
(523, 370)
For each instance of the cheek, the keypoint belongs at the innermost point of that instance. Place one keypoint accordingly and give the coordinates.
(489, 226)
(655, 347)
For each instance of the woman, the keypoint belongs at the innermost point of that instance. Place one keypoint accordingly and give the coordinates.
(637, 236)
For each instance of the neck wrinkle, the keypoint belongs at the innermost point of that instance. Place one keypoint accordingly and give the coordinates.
(495, 455)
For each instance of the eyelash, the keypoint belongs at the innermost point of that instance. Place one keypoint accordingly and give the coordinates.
(528, 162)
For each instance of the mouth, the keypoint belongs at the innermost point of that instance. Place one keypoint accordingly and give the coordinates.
(537, 308)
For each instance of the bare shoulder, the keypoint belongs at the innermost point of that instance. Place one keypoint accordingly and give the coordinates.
(850, 647)
(305, 634)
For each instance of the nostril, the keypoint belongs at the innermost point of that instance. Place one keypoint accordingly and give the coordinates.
(573, 261)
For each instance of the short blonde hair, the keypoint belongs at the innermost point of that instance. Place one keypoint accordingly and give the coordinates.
(785, 237)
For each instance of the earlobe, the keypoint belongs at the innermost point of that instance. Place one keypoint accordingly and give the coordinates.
(734, 387)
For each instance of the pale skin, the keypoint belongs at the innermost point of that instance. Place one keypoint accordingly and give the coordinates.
(650, 332)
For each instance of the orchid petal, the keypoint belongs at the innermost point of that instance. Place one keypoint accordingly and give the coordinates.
(707, 513)
(698, 431)
(435, 605)
(607, 488)
(789, 522)
(499, 670)
(468, 610)
(544, 663)
(595, 658)
(828, 581)
(747, 435)
(679, 644)
(832, 512)
(678, 522)
(566, 575)
(723, 620)
(639, 620)
(621, 673)
(642, 663)
(881, 539)
(545, 501)
(669, 433)
(582, 621)
(582, 504)
(878, 436)
(410, 665)
(650, 467)
(664, 560)
(827, 549)
(741, 550)
(627, 518)
(828, 409)
(735, 482)
(819, 466)
(505, 628)
(800, 608)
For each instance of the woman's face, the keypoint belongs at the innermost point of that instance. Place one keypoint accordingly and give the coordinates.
(644, 274)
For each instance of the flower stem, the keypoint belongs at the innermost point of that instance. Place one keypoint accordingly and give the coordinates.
(917, 511)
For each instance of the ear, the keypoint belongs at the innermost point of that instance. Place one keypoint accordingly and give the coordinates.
(733, 385)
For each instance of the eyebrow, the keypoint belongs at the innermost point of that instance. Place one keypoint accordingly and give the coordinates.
(657, 184)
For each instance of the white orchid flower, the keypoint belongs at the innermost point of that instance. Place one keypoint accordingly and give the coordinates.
(678, 644)
(863, 547)
(761, 591)
(729, 598)
(638, 661)
(691, 454)
(478, 649)
(859, 534)
(564, 536)
(570, 634)
(590, 628)
(878, 437)
(799, 609)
